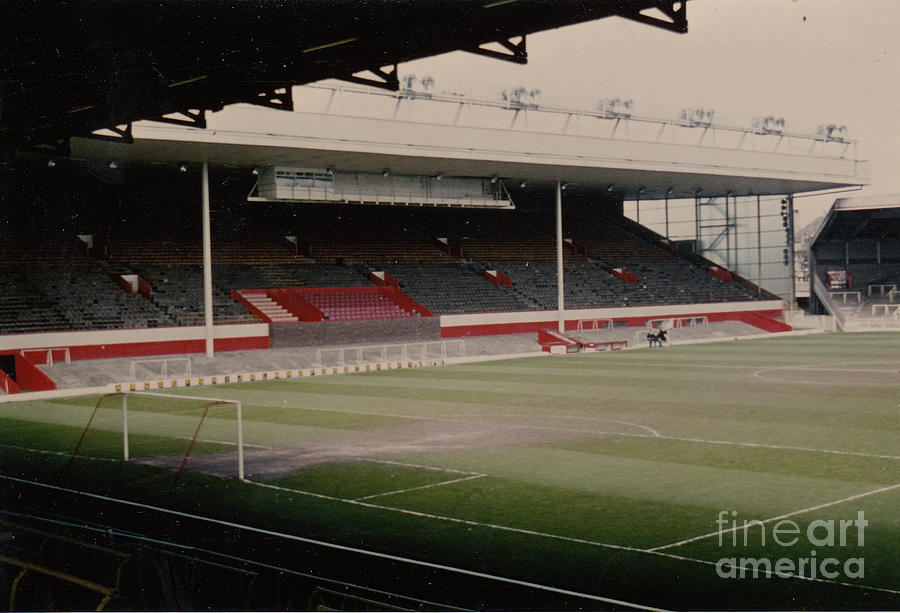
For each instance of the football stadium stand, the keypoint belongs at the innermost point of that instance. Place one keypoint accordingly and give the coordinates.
(66, 286)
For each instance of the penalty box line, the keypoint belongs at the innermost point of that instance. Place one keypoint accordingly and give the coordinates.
(570, 539)
(610, 433)
(421, 487)
(748, 525)
(425, 466)
(335, 546)
(430, 516)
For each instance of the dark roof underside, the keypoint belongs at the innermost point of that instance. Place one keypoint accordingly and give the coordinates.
(71, 68)
(863, 224)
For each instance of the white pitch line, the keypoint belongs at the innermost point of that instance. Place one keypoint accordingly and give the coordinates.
(772, 446)
(577, 417)
(61, 453)
(777, 518)
(442, 518)
(232, 443)
(434, 468)
(456, 520)
(832, 369)
(761, 373)
(606, 432)
(629, 423)
(422, 487)
(335, 546)
(570, 539)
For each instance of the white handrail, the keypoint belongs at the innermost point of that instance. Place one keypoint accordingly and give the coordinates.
(165, 365)
(48, 360)
(383, 350)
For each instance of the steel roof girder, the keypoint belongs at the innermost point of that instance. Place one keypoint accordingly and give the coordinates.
(675, 10)
(385, 79)
(518, 54)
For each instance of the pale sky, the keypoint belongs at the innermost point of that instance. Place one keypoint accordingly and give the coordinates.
(810, 61)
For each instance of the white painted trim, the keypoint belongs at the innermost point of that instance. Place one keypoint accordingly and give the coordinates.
(475, 319)
(137, 335)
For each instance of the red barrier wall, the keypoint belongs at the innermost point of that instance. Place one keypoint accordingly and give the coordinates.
(238, 297)
(498, 278)
(405, 302)
(666, 245)
(125, 284)
(30, 377)
(144, 287)
(133, 343)
(764, 322)
(552, 337)
(296, 305)
(124, 350)
(624, 275)
(388, 279)
(8, 384)
(721, 273)
(763, 319)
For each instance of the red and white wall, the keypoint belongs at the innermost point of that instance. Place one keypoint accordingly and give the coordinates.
(762, 314)
(98, 344)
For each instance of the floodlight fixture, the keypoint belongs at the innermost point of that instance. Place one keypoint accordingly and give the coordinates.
(51, 163)
(330, 171)
(439, 176)
(386, 173)
(494, 179)
(183, 167)
(113, 165)
(255, 171)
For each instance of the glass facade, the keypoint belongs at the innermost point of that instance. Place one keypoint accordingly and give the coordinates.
(748, 235)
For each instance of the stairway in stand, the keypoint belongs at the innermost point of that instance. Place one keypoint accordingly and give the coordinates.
(271, 309)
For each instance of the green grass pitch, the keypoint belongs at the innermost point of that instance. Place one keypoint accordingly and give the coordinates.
(609, 474)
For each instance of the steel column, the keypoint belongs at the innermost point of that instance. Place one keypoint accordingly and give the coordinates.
(790, 200)
(560, 296)
(207, 260)
(758, 248)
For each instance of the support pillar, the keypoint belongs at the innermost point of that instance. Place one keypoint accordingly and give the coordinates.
(667, 215)
(878, 258)
(759, 253)
(560, 295)
(728, 263)
(791, 269)
(697, 228)
(207, 260)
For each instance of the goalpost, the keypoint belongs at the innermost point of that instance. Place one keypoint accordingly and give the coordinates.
(205, 402)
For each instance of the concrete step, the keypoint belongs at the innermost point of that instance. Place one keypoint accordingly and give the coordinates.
(269, 307)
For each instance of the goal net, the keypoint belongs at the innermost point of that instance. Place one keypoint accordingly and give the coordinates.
(167, 430)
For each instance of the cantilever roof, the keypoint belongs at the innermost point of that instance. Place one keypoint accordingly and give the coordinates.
(71, 68)
(871, 217)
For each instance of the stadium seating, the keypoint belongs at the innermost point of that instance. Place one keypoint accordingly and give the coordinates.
(54, 283)
(455, 288)
(615, 243)
(351, 305)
